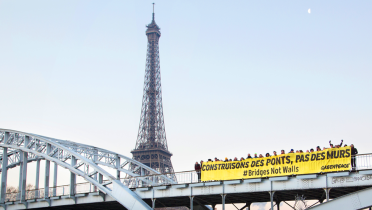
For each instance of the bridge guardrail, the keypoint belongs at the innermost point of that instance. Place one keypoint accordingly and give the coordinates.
(363, 162)
(184, 177)
(63, 190)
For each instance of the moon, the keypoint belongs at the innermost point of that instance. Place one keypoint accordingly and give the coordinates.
(309, 10)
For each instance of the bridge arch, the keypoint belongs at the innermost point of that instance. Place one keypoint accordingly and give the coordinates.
(356, 200)
(19, 148)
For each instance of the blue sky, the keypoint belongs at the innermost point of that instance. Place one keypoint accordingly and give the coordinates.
(237, 77)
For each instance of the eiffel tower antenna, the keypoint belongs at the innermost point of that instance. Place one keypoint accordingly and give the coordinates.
(151, 145)
(153, 11)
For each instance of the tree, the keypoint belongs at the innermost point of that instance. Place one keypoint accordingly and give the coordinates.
(11, 193)
(30, 192)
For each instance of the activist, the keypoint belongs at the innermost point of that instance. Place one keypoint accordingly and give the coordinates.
(274, 153)
(261, 156)
(255, 155)
(235, 159)
(318, 148)
(292, 151)
(267, 155)
(249, 156)
(354, 151)
(311, 150)
(197, 169)
(341, 143)
(331, 145)
(282, 152)
(241, 159)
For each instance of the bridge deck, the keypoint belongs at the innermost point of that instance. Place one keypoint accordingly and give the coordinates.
(209, 193)
(289, 195)
(104, 186)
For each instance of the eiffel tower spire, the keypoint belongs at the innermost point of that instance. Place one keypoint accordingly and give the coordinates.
(151, 145)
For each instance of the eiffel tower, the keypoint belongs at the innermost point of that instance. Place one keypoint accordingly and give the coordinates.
(151, 145)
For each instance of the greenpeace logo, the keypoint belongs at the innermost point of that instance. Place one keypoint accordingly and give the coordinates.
(336, 166)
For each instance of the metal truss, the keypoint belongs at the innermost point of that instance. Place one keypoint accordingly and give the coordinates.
(19, 148)
(151, 132)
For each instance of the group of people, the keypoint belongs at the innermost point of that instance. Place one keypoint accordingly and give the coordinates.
(354, 151)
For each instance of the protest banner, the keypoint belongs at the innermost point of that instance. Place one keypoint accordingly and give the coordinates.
(329, 160)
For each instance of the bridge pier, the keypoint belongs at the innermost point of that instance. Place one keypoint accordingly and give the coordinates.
(37, 178)
(327, 193)
(47, 174)
(55, 179)
(272, 199)
(223, 201)
(191, 202)
(95, 158)
(23, 172)
(72, 177)
(153, 202)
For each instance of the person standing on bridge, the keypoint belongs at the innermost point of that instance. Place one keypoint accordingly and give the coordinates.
(197, 169)
(354, 151)
(331, 145)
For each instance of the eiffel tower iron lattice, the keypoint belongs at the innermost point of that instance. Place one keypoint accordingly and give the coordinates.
(151, 145)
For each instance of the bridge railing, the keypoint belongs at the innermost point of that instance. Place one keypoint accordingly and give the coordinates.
(157, 180)
(363, 162)
(63, 190)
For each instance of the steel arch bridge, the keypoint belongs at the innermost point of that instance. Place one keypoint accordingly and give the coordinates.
(19, 148)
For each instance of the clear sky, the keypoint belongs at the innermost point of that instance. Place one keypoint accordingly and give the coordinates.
(237, 76)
